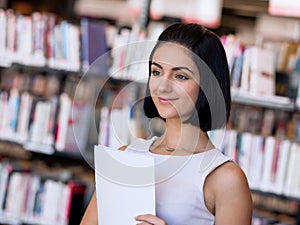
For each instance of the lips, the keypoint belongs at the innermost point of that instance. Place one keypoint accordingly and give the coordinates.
(166, 100)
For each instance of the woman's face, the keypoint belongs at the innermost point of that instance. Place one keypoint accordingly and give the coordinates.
(174, 81)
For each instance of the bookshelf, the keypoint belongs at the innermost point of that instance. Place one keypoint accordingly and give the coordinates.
(273, 102)
(69, 73)
(264, 120)
(34, 72)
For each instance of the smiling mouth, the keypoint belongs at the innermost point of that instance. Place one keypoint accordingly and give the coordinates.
(165, 100)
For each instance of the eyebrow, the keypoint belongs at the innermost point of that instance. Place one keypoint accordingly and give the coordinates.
(174, 68)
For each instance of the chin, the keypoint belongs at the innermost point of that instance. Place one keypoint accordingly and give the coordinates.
(168, 115)
(174, 116)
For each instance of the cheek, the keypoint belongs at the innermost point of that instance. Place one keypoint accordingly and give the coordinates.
(194, 94)
(191, 92)
(152, 85)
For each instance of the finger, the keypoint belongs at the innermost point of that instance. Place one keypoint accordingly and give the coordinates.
(150, 219)
(144, 223)
(145, 217)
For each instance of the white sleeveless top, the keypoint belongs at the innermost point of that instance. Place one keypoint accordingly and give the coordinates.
(179, 183)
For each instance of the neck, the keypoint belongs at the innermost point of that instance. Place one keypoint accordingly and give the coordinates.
(184, 137)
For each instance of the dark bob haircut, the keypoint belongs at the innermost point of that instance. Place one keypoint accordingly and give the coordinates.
(212, 107)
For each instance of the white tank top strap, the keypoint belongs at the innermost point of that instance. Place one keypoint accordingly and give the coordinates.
(212, 159)
(141, 145)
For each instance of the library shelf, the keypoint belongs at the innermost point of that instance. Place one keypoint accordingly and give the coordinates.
(271, 194)
(277, 205)
(29, 150)
(267, 101)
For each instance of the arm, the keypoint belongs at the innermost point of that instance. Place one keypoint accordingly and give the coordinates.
(90, 216)
(232, 196)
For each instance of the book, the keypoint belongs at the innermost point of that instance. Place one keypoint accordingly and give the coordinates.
(16, 195)
(8, 169)
(76, 192)
(236, 71)
(292, 177)
(94, 46)
(122, 180)
(245, 76)
(119, 50)
(3, 35)
(282, 165)
(256, 162)
(268, 122)
(32, 192)
(244, 152)
(63, 45)
(119, 133)
(63, 121)
(262, 75)
(286, 54)
(266, 178)
(39, 129)
(74, 117)
(39, 25)
(51, 201)
(14, 105)
(24, 116)
(11, 44)
(78, 126)
(230, 148)
(24, 41)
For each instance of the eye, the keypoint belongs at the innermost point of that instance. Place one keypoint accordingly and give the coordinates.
(155, 73)
(181, 77)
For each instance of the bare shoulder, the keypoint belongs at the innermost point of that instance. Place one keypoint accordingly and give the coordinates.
(229, 191)
(228, 176)
(230, 171)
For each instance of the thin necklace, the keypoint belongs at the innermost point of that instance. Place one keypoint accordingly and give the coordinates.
(169, 149)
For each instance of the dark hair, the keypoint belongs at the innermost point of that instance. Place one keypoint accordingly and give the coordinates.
(214, 101)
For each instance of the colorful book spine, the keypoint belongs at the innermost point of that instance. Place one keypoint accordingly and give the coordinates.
(33, 197)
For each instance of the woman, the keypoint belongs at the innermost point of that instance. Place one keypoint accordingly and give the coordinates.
(189, 89)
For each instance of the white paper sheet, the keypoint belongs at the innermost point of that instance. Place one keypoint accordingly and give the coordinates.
(125, 185)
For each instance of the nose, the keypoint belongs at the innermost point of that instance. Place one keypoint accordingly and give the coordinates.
(164, 84)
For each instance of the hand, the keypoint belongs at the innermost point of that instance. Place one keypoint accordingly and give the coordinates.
(147, 219)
